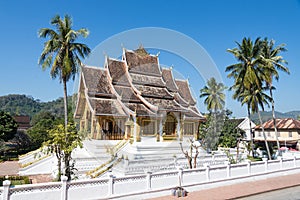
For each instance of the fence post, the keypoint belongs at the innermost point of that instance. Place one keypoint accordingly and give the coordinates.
(281, 162)
(64, 180)
(266, 163)
(206, 165)
(295, 165)
(249, 167)
(228, 169)
(110, 185)
(148, 180)
(180, 173)
(6, 185)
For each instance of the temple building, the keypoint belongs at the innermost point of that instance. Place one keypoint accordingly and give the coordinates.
(133, 98)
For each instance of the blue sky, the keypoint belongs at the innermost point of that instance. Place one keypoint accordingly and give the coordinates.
(215, 25)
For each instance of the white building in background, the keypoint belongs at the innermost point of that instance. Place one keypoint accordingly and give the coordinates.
(288, 132)
(244, 124)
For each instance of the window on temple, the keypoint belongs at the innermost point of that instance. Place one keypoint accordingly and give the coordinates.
(170, 125)
(188, 128)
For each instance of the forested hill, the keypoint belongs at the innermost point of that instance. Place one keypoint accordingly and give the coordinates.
(267, 115)
(17, 104)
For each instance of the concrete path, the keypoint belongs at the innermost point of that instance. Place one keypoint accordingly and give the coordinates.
(9, 168)
(241, 190)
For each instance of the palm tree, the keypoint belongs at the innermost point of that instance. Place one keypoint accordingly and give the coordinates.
(62, 53)
(246, 72)
(273, 62)
(255, 98)
(215, 101)
(214, 95)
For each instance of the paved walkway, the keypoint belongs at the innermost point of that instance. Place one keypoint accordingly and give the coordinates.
(9, 168)
(241, 190)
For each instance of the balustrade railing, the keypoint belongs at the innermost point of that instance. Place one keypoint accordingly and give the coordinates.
(148, 182)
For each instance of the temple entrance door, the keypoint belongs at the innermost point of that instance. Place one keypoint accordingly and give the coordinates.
(148, 128)
(110, 126)
(107, 129)
(170, 125)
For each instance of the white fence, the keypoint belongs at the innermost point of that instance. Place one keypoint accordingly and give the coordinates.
(114, 187)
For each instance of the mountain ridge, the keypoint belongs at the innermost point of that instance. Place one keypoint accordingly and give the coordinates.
(267, 115)
(21, 104)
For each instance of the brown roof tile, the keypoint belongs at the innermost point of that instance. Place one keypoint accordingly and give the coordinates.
(156, 87)
(126, 94)
(142, 64)
(147, 80)
(168, 78)
(190, 114)
(106, 107)
(287, 123)
(185, 92)
(165, 104)
(140, 109)
(117, 70)
(180, 100)
(96, 81)
(22, 121)
(154, 92)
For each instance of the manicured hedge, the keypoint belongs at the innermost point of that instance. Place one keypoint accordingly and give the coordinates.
(15, 180)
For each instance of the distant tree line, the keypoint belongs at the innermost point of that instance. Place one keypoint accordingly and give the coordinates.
(20, 104)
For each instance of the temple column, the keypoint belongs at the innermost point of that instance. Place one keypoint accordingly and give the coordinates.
(160, 129)
(86, 123)
(128, 129)
(181, 129)
(178, 127)
(93, 127)
(195, 130)
(98, 129)
(156, 130)
(81, 125)
(137, 128)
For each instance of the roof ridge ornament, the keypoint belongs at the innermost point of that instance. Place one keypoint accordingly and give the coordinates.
(141, 51)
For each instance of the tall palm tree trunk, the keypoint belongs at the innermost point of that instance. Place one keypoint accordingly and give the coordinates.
(67, 159)
(215, 128)
(264, 134)
(251, 133)
(58, 156)
(66, 166)
(274, 119)
(65, 103)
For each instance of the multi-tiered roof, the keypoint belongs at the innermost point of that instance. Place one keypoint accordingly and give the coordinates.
(135, 85)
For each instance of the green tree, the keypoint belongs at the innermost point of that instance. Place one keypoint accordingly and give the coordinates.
(247, 72)
(22, 141)
(255, 98)
(230, 134)
(211, 130)
(273, 63)
(214, 96)
(8, 126)
(41, 124)
(62, 142)
(62, 53)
